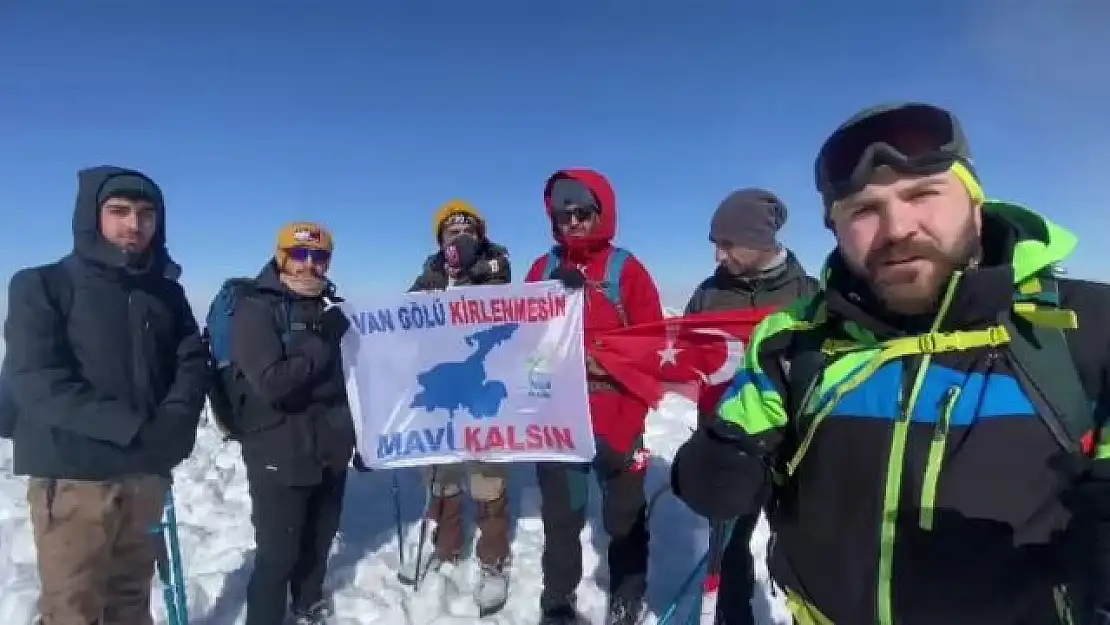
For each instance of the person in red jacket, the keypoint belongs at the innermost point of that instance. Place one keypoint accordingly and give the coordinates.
(582, 209)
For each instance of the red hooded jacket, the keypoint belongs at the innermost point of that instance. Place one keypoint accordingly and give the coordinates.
(618, 417)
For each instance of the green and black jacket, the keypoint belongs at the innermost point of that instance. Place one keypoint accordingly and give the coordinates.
(914, 479)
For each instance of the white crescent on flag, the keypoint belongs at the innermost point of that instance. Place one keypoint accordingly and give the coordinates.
(734, 356)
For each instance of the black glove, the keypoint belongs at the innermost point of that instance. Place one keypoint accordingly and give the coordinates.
(461, 253)
(608, 462)
(571, 278)
(168, 437)
(718, 475)
(1100, 616)
(1086, 494)
(359, 465)
(333, 324)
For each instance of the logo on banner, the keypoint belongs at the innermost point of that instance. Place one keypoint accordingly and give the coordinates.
(539, 377)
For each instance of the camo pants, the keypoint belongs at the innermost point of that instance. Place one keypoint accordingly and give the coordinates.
(96, 552)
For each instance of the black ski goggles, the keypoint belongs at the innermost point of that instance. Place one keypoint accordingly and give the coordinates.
(914, 139)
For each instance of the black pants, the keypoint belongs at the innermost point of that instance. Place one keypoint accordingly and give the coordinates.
(294, 527)
(564, 489)
(738, 576)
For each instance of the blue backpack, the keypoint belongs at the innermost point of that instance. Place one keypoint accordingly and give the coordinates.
(226, 390)
(610, 285)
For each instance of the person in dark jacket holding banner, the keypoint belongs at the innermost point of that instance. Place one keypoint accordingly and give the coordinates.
(107, 376)
(467, 257)
(297, 433)
(753, 271)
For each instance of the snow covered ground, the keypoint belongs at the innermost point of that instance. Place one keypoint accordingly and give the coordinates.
(216, 540)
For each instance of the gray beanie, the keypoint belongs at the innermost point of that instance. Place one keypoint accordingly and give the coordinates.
(749, 218)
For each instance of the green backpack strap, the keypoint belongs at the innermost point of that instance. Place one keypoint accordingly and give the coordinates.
(1045, 365)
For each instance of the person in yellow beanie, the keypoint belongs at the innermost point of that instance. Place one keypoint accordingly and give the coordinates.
(466, 256)
(294, 422)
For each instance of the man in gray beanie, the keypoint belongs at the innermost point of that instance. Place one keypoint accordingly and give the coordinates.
(753, 271)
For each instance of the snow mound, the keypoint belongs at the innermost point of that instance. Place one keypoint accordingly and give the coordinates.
(213, 511)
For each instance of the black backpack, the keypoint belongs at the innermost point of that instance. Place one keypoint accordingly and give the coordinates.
(59, 292)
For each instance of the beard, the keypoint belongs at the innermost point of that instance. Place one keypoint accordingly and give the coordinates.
(908, 276)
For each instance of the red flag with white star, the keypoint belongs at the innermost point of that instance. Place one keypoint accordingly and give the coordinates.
(694, 355)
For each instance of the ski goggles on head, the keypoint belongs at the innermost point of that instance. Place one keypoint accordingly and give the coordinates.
(915, 139)
(570, 197)
(304, 254)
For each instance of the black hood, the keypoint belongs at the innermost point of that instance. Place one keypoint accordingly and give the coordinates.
(90, 244)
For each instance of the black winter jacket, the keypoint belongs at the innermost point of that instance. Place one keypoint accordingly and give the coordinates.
(493, 258)
(105, 360)
(295, 417)
(723, 291)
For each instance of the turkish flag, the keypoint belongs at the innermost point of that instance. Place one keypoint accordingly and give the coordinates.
(694, 355)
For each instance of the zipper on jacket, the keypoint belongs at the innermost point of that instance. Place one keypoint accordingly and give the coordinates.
(132, 345)
(136, 331)
(935, 460)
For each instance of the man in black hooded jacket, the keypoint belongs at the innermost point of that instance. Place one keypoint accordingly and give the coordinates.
(296, 428)
(107, 372)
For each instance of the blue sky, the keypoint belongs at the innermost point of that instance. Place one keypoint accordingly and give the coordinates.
(368, 115)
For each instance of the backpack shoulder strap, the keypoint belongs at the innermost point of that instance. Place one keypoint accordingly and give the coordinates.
(614, 267)
(1044, 361)
(280, 307)
(551, 261)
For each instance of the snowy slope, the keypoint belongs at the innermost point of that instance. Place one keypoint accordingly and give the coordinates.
(216, 537)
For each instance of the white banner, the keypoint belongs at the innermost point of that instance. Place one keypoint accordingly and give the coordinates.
(493, 373)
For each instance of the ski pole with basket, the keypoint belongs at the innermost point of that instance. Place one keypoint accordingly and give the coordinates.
(171, 572)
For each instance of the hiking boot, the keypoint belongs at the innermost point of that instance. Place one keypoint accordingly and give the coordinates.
(447, 536)
(625, 611)
(318, 614)
(492, 546)
(559, 615)
(492, 590)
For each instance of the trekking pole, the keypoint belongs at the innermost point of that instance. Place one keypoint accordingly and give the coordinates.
(706, 603)
(415, 579)
(424, 531)
(178, 569)
(164, 576)
(167, 563)
(683, 589)
(396, 488)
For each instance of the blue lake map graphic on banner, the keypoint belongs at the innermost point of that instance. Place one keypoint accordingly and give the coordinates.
(453, 385)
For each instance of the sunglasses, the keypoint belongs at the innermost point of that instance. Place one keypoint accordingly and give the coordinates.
(914, 139)
(304, 254)
(580, 213)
